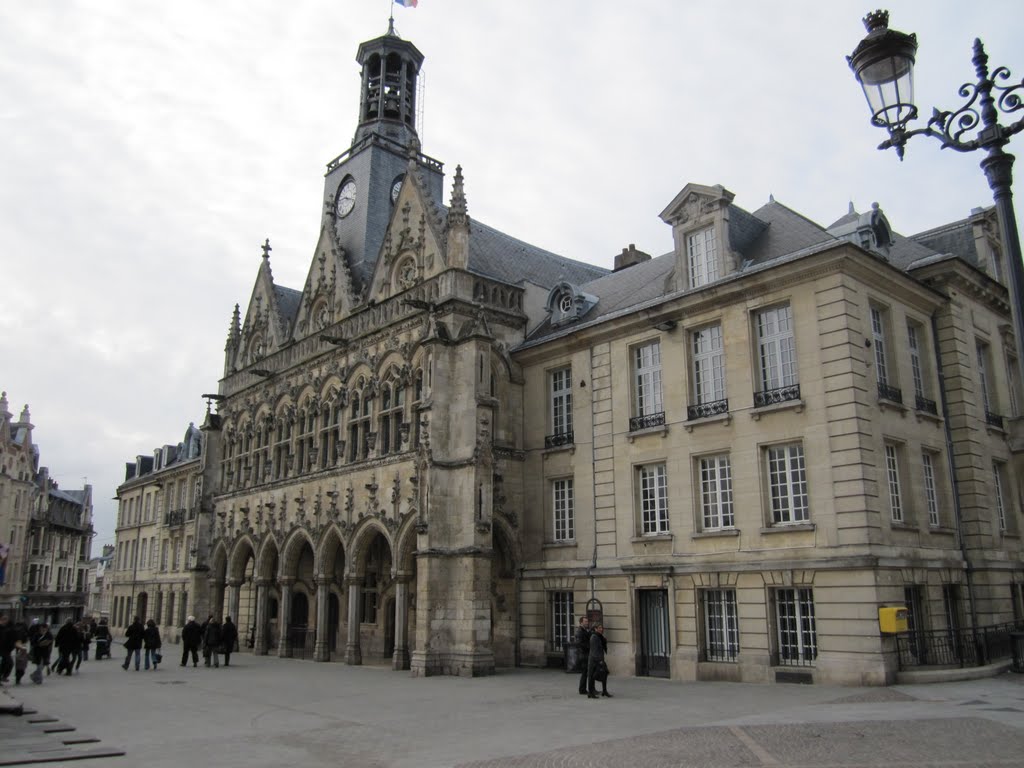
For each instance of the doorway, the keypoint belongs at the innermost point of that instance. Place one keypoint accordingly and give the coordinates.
(655, 645)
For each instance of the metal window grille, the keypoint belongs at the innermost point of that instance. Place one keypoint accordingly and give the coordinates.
(702, 258)
(721, 625)
(776, 348)
(797, 633)
(930, 494)
(563, 504)
(716, 492)
(561, 619)
(653, 499)
(892, 472)
(708, 365)
(787, 481)
(647, 373)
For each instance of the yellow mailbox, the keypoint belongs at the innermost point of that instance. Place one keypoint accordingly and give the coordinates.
(892, 619)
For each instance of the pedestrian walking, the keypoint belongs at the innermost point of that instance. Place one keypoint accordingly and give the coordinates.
(86, 632)
(583, 650)
(212, 641)
(206, 648)
(20, 660)
(102, 637)
(7, 639)
(41, 647)
(597, 669)
(191, 639)
(133, 642)
(151, 642)
(69, 646)
(228, 639)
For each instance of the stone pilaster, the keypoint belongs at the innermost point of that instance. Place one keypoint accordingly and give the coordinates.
(284, 645)
(353, 654)
(234, 597)
(260, 645)
(321, 650)
(400, 660)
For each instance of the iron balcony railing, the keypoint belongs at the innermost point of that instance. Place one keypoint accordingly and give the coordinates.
(703, 410)
(174, 517)
(889, 392)
(556, 441)
(649, 420)
(994, 419)
(927, 406)
(777, 395)
(956, 647)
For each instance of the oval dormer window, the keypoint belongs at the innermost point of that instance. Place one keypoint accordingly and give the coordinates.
(565, 303)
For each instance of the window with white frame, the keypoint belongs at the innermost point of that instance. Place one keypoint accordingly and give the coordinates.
(931, 496)
(716, 492)
(563, 508)
(721, 625)
(892, 477)
(878, 330)
(983, 376)
(1013, 382)
(776, 348)
(702, 257)
(787, 483)
(797, 634)
(708, 365)
(653, 488)
(561, 619)
(561, 403)
(647, 380)
(998, 487)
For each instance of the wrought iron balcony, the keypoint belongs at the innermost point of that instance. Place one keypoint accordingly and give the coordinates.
(778, 395)
(703, 410)
(926, 405)
(994, 420)
(558, 440)
(889, 392)
(649, 420)
(174, 517)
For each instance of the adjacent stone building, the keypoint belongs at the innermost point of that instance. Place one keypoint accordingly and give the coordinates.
(19, 464)
(450, 443)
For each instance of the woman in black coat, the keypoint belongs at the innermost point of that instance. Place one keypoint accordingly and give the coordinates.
(228, 638)
(151, 642)
(133, 642)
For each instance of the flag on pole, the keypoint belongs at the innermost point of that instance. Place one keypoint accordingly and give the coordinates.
(407, 3)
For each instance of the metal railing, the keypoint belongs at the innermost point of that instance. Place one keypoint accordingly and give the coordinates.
(926, 405)
(889, 392)
(556, 441)
(955, 647)
(649, 420)
(994, 419)
(778, 395)
(704, 410)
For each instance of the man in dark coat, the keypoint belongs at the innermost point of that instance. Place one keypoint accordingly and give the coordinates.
(212, 641)
(133, 642)
(582, 640)
(228, 638)
(69, 647)
(6, 647)
(191, 639)
(597, 668)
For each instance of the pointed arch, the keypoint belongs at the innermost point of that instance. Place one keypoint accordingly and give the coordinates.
(406, 546)
(361, 539)
(268, 560)
(292, 550)
(219, 559)
(241, 551)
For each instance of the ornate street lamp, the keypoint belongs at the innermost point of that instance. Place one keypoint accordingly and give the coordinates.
(884, 65)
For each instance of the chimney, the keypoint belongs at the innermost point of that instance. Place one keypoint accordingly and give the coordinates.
(629, 257)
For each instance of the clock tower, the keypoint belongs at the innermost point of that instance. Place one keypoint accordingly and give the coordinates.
(362, 183)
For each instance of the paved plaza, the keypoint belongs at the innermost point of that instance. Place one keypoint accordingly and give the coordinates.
(265, 711)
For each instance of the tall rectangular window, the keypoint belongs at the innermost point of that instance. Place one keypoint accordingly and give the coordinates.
(708, 365)
(983, 379)
(716, 492)
(702, 258)
(647, 379)
(931, 498)
(892, 476)
(878, 339)
(1013, 382)
(561, 619)
(721, 625)
(653, 499)
(787, 483)
(916, 362)
(797, 632)
(561, 402)
(563, 506)
(998, 485)
(776, 348)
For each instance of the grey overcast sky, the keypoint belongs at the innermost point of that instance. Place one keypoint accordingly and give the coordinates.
(148, 147)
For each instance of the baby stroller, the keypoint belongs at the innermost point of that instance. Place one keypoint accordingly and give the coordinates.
(102, 647)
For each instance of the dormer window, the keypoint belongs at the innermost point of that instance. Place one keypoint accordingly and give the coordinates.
(567, 303)
(702, 257)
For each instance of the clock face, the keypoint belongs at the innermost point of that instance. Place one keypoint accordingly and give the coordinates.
(346, 199)
(396, 188)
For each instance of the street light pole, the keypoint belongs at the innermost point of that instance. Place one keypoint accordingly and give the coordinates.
(884, 65)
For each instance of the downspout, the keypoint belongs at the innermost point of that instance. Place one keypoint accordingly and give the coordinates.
(593, 474)
(955, 485)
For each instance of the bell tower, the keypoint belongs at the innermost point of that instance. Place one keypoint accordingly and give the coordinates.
(387, 98)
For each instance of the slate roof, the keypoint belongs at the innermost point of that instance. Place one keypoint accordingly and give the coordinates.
(502, 257)
(956, 238)
(288, 301)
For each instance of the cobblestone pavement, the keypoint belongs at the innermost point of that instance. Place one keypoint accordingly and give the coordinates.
(265, 711)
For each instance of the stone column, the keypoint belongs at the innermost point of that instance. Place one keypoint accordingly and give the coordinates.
(262, 588)
(321, 651)
(353, 655)
(400, 660)
(216, 591)
(284, 645)
(234, 598)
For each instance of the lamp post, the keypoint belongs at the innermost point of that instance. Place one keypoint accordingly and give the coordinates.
(884, 65)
